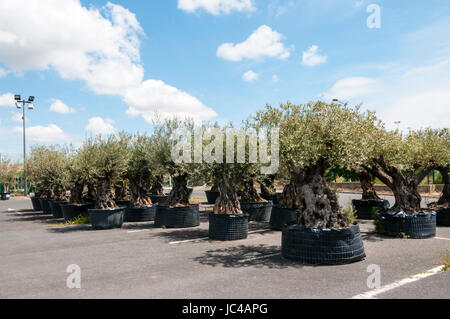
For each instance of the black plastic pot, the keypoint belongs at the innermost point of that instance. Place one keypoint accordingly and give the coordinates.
(71, 212)
(259, 212)
(282, 216)
(123, 203)
(228, 227)
(106, 218)
(5, 196)
(211, 196)
(36, 204)
(443, 217)
(417, 226)
(45, 206)
(322, 246)
(366, 208)
(275, 198)
(159, 199)
(177, 217)
(55, 208)
(140, 213)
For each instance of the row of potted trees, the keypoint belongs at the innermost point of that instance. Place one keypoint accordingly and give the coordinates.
(313, 138)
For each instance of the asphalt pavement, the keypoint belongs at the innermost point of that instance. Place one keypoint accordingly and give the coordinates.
(140, 261)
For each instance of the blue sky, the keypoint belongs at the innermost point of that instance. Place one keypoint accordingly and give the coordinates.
(101, 67)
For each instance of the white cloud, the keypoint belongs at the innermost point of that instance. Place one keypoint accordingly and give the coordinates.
(312, 57)
(353, 87)
(278, 10)
(16, 117)
(275, 78)
(250, 76)
(419, 111)
(44, 134)
(98, 46)
(264, 42)
(216, 7)
(59, 107)
(3, 72)
(97, 125)
(7, 99)
(156, 96)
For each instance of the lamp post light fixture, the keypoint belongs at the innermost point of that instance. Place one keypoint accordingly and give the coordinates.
(342, 103)
(20, 104)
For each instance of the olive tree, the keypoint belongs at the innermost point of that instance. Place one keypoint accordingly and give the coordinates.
(141, 169)
(109, 160)
(48, 169)
(441, 145)
(402, 161)
(8, 173)
(313, 138)
(167, 135)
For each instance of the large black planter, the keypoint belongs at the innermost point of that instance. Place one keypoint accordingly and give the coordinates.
(322, 246)
(55, 208)
(417, 226)
(275, 198)
(366, 208)
(36, 204)
(159, 199)
(443, 217)
(106, 218)
(140, 213)
(259, 212)
(282, 216)
(123, 203)
(177, 217)
(71, 212)
(5, 196)
(211, 196)
(45, 205)
(228, 227)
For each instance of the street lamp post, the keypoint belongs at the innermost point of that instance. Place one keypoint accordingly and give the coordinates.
(21, 104)
(345, 104)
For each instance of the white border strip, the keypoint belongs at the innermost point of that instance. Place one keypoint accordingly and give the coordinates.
(207, 238)
(442, 238)
(259, 257)
(371, 294)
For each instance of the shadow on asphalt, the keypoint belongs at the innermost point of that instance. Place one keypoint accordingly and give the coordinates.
(38, 217)
(247, 256)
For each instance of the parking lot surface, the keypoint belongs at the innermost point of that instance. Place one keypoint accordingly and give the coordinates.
(141, 261)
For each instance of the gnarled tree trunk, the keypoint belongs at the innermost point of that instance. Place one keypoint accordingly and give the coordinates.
(445, 197)
(366, 179)
(404, 185)
(92, 190)
(157, 186)
(139, 187)
(121, 192)
(317, 203)
(60, 194)
(267, 185)
(249, 194)
(227, 203)
(104, 199)
(76, 193)
(179, 195)
(319, 207)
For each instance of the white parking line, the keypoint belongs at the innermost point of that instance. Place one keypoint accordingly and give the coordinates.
(259, 257)
(372, 293)
(442, 238)
(207, 238)
(137, 231)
